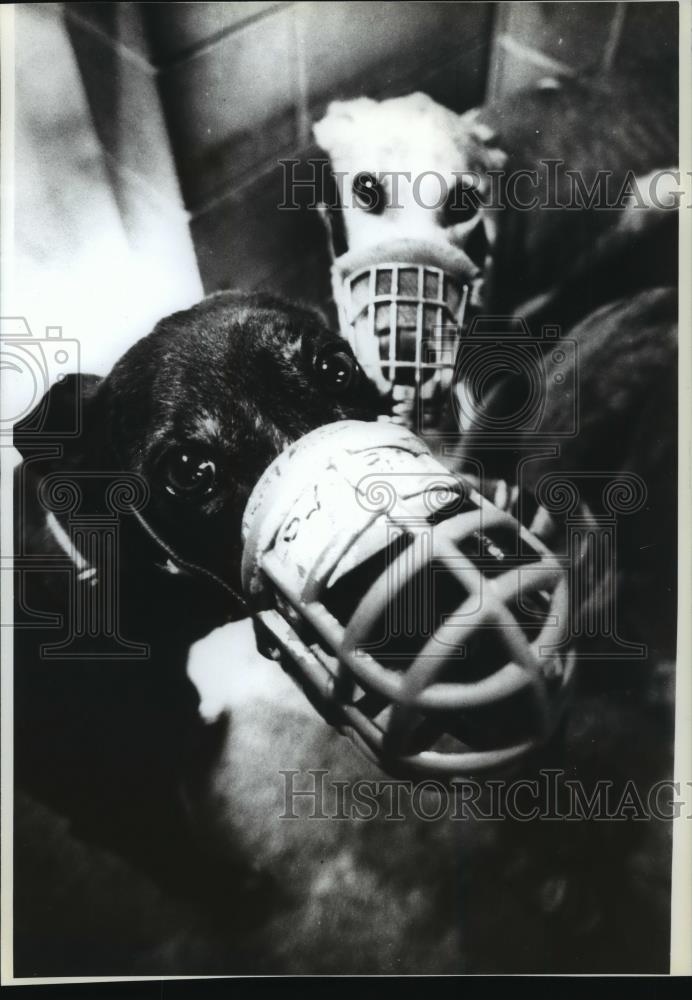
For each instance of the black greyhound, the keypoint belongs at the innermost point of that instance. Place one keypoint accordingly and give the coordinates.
(106, 725)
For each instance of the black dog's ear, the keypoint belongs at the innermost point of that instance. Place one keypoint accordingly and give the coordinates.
(61, 417)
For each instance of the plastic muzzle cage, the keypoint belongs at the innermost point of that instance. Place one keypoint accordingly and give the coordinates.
(401, 307)
(419, 618)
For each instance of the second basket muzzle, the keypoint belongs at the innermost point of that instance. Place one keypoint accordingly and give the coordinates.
(401, 307)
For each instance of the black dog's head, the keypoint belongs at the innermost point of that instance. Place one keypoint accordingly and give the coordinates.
(200, 407)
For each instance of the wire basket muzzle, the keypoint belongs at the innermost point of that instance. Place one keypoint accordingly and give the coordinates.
(419, 618)
(401, 307)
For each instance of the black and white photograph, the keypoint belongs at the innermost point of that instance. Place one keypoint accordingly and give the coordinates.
(345, 489)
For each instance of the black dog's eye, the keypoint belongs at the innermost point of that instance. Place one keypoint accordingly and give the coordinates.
(189, 474)
(335, 368)
(368, 193)
(462, 204)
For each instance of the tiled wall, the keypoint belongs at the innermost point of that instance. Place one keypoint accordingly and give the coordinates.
(533, 40)
(226, 90)
(100, 249)
(122, 89)
(233, 87)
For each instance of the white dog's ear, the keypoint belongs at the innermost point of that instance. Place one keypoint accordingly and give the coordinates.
(471, 127)
(335, 133)
(418, 101)
(66, 415)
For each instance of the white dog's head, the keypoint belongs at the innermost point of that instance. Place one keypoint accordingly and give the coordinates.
(412, 178)
(425, 163)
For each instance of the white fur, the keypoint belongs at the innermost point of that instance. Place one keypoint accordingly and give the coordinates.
(413, 135)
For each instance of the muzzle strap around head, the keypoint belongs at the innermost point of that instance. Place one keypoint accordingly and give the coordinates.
(185, 565)
(89, 573)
